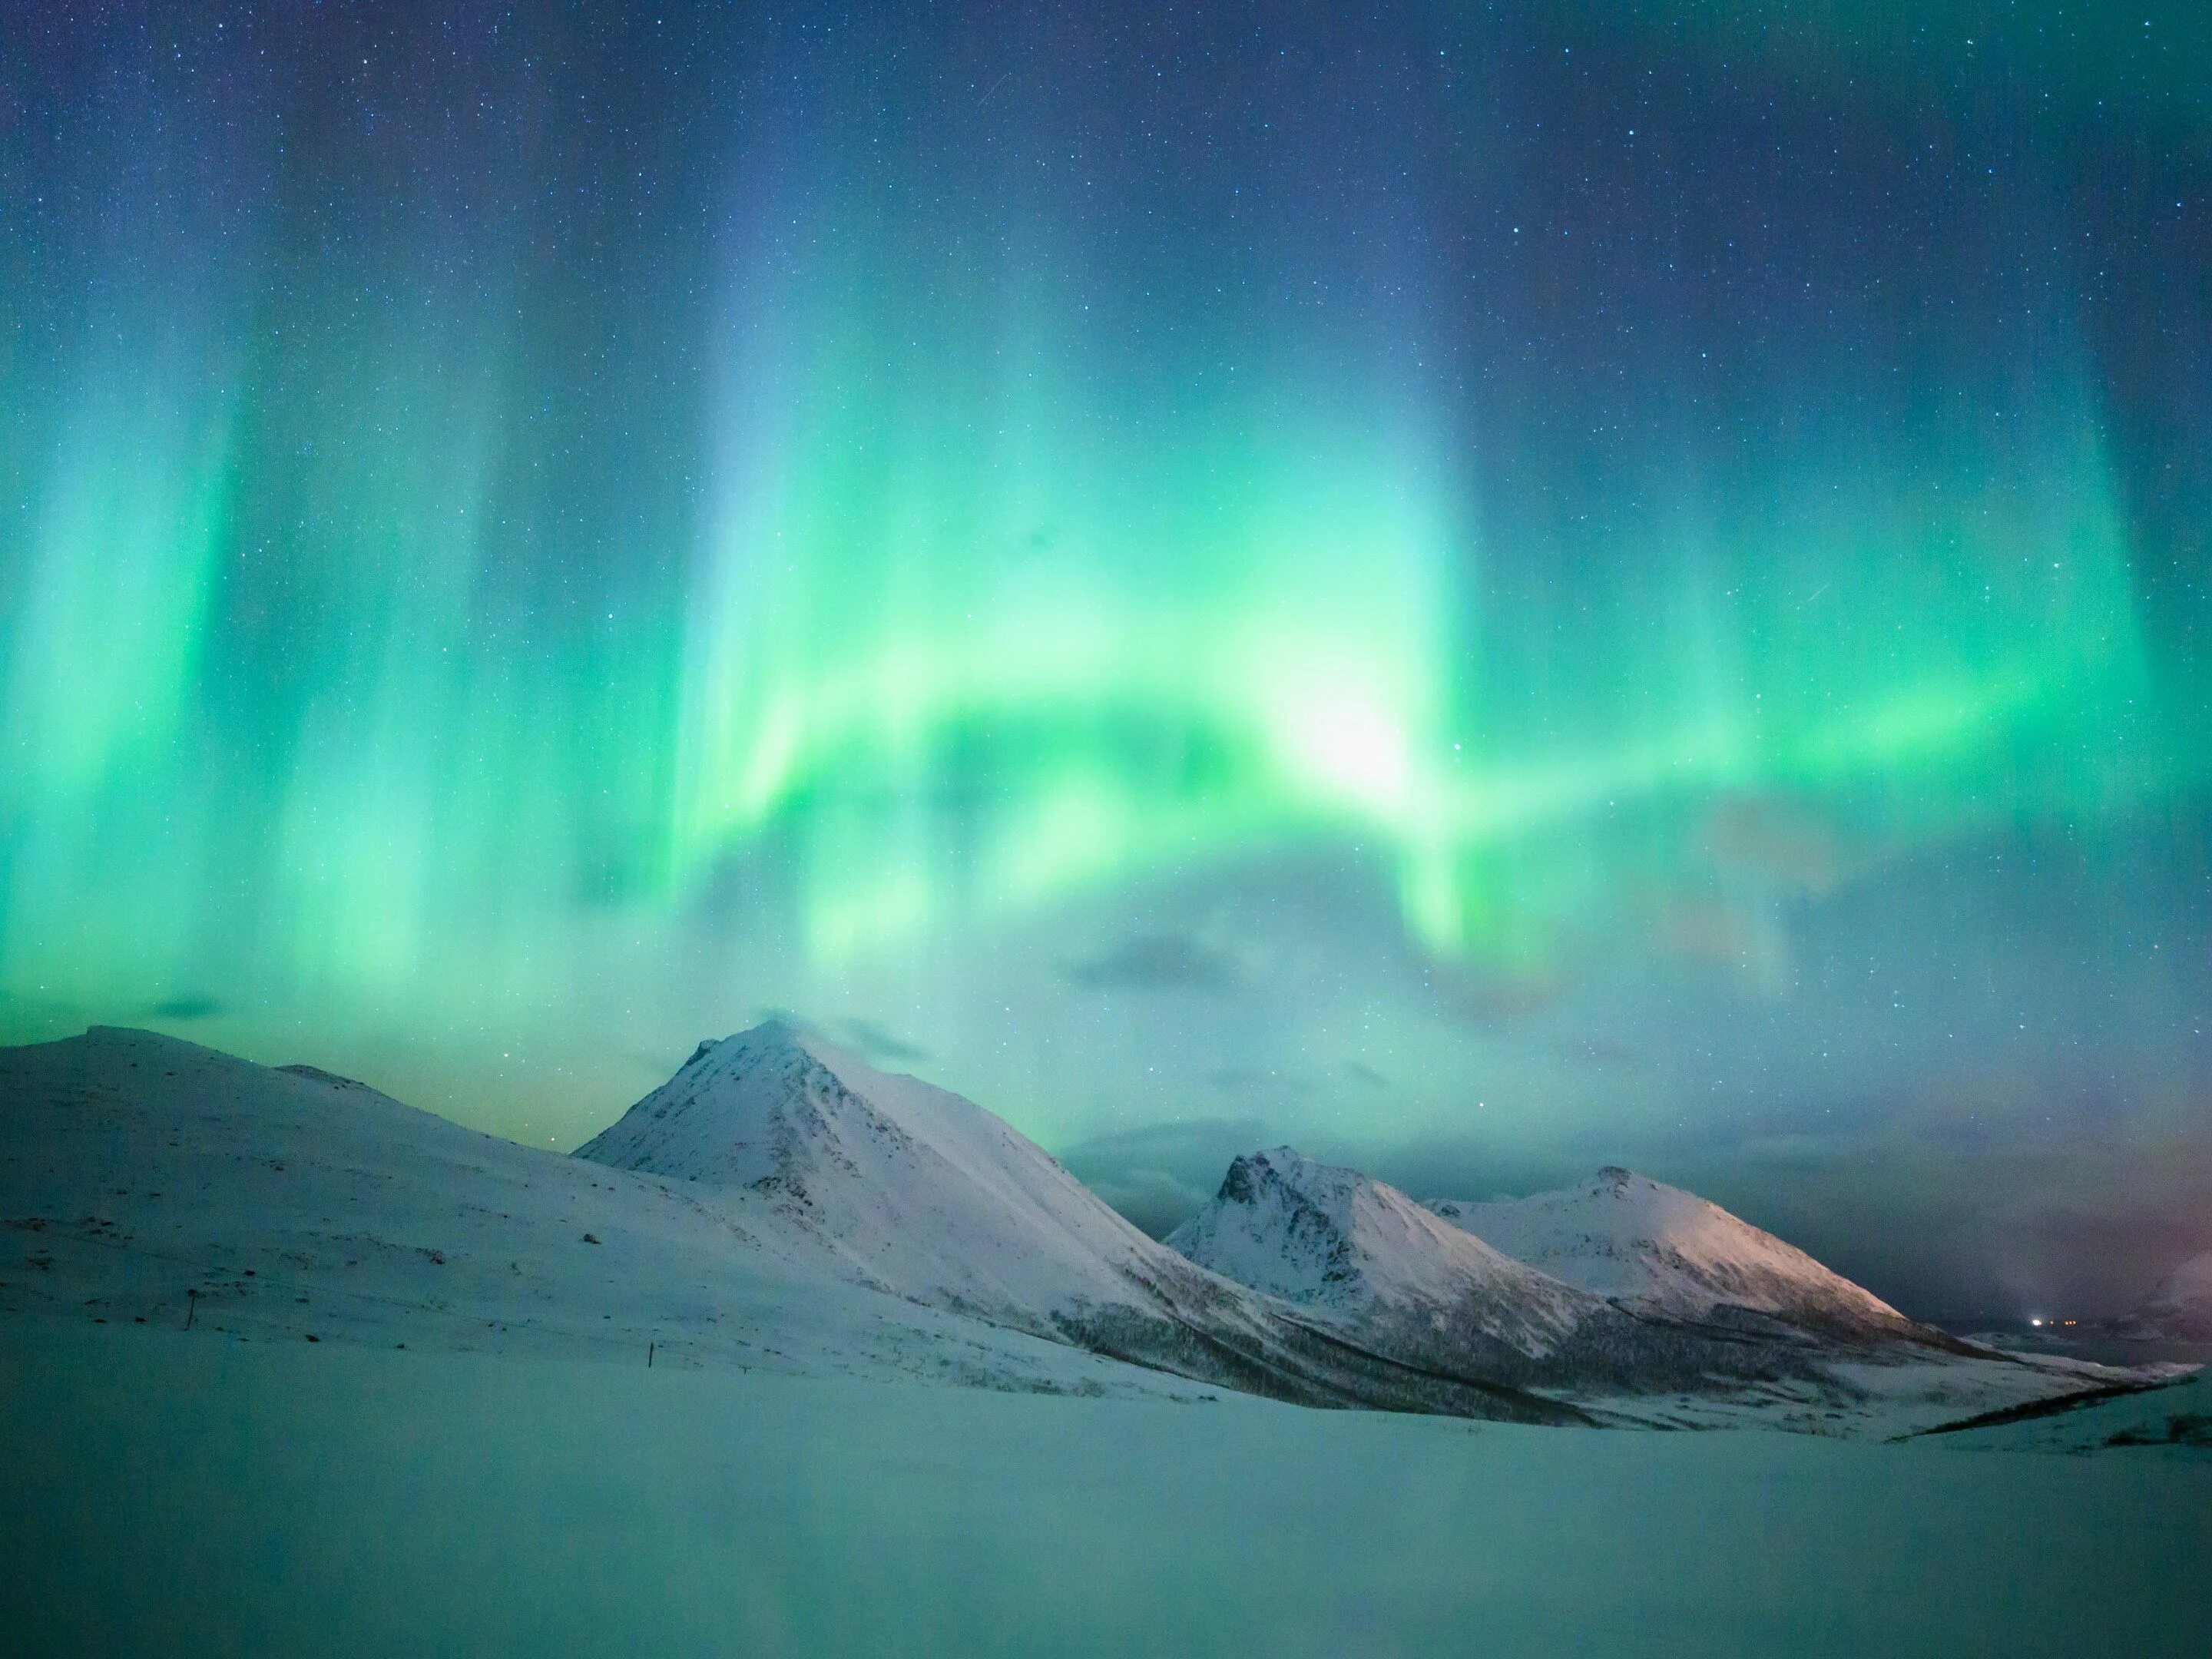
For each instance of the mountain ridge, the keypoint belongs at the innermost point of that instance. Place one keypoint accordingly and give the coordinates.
(1408, 1280)
(922, 1193)
(785, 1208)
(1656, 1249)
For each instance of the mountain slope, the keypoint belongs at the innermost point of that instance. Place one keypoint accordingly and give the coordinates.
(1332, 1238)
(1365, 1257)
(1360, 1255)
(2181, 1309)
(916, 1189)
(1658, 1250)
(790, 1211)
(911, 1189)
(146, 1178)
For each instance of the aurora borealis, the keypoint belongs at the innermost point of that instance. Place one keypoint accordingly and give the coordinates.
(1495, 586)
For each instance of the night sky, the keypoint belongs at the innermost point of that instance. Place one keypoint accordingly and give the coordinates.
(1486, 589)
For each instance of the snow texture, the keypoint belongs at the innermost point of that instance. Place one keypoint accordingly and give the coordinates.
(919, 1193)
(189, 1495)
(1317, 1234)
(2172, 1420)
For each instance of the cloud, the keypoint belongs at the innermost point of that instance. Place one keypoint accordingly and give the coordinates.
(1158, 1176)
(1480, 998)
(1154, 1201)
(1779, 842)
(1248, 1079)
(1153, 962)
(875, 1043)
(1709, 930)
(185, 1008)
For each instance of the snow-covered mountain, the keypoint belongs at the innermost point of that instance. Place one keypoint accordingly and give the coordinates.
(1656, 1249)
(142, 1178)
(779, 1205)
(1404, 1281)
(790, 1210)
(915, 1189)
(1398, 1278)
(2181, 1309)
(912, 1190)
(1332, 1238)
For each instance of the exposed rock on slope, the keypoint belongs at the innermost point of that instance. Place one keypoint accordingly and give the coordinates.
(780, 1206)
(143, 1177)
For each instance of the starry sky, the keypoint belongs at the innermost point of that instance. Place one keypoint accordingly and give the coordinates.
(1484, 588)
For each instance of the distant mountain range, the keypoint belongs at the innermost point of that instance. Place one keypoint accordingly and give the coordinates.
(780, 1204)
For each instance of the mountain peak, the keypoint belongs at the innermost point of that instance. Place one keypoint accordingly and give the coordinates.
(1658, 1249)
(778, 1033)
(1326, 1236)
(911, 1187)
(1250, 1174)
(766, 1105)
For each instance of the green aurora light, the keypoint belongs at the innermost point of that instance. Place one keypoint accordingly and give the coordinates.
(559, 541)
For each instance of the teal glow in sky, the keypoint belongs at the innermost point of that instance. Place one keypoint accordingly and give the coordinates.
(1493, 588)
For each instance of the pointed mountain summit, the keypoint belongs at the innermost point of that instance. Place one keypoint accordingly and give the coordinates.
(166, 1182)
(1324, 1237)
(1635, 1301)
(912, 1189)
(1657, 1250)
(1396, 1278)
(779, 1205)
(918, 1190)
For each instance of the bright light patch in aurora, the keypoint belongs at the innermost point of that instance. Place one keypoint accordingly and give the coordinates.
(1643, 566)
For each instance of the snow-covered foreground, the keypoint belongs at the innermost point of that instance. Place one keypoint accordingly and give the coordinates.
(2175, 1421)
(189, 1494)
